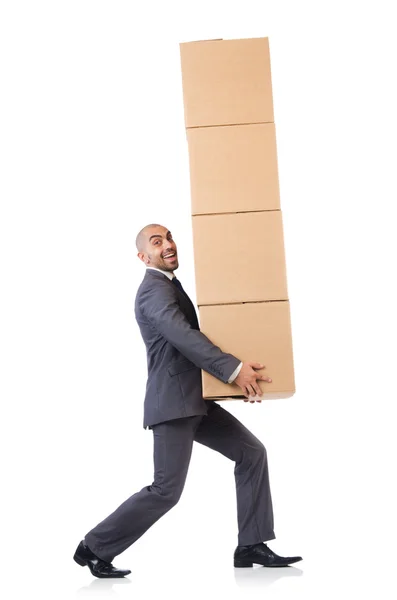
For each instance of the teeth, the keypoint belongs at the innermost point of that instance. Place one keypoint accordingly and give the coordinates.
(169, 255)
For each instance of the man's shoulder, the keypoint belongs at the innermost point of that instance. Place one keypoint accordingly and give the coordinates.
(152, 282)
(153, 279)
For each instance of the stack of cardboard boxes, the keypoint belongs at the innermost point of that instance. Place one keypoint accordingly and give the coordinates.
(238, 242)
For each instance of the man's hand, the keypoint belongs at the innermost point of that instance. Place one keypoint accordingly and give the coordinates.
(247, 378)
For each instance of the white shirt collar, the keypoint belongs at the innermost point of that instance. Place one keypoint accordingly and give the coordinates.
(169, 275)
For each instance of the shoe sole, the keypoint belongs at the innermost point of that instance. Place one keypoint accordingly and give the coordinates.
(238, 563)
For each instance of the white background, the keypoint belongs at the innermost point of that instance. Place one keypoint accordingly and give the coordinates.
(93, 148)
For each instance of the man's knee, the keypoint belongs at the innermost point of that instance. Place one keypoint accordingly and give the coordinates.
(256, 453)
(168, 495)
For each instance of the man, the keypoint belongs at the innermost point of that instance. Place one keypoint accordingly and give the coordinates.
(174, 409)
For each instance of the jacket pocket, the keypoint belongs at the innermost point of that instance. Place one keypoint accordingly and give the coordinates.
(180, 366)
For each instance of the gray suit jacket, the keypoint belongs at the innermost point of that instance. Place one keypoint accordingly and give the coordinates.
(176, 351)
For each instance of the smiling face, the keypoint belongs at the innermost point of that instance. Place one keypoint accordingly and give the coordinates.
(157, 248)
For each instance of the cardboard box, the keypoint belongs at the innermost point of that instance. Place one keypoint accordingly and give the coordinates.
(226, 82)
(258, 331)
(239, 257)
(233, 168)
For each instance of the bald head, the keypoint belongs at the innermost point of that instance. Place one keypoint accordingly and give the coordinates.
(143, 236)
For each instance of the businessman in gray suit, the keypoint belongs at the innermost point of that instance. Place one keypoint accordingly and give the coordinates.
(174, 409)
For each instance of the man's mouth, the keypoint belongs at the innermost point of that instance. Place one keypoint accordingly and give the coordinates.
(170, 256)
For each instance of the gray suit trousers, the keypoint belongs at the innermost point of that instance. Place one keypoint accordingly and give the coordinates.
(173, 442)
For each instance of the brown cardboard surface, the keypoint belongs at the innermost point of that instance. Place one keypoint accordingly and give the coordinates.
(233, 168)
(239, 257)
(226, 82)
(260, 332)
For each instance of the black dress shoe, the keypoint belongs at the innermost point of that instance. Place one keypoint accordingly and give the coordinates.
(98, 567)
(246, 556)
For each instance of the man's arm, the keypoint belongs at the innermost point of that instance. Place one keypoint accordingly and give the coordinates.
(163, 312)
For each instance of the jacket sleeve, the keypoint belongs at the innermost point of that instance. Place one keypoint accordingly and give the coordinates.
(235, 373)
(162, 311)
